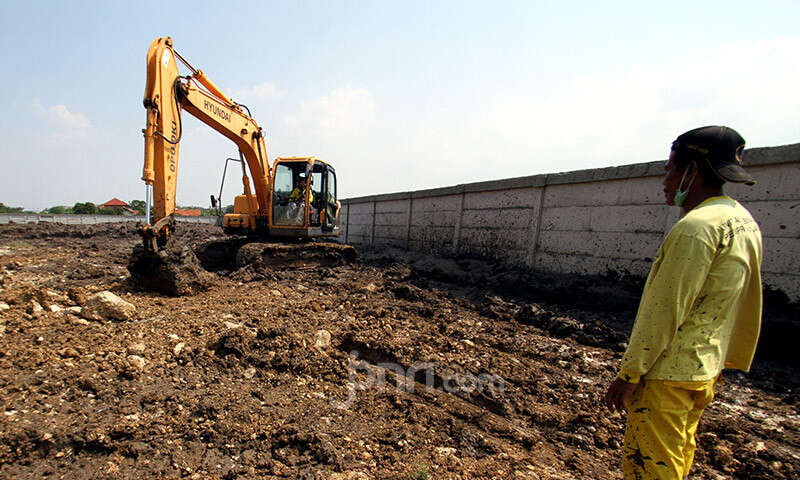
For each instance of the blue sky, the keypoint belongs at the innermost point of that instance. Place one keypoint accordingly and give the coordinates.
(396, 95)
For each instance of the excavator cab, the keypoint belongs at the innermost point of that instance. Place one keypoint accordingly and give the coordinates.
(303, 203)
(304, 200)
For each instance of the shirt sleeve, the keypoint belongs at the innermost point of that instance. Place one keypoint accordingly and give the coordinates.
(675, 281)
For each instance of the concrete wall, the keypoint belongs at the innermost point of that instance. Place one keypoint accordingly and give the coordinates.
(70, 219)
(588, 221)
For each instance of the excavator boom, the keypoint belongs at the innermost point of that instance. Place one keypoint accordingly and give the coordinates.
(166, 95)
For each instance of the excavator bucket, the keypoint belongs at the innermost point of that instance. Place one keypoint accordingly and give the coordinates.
(174, 272)
(173, 269)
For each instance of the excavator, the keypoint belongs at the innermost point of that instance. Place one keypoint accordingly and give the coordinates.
(267, 211)
(294, 200)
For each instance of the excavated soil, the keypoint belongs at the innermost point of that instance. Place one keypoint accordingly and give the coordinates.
(184, 268)
(402, 366)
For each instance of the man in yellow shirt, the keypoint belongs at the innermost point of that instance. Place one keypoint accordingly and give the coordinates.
(700, 310)
(299, 192)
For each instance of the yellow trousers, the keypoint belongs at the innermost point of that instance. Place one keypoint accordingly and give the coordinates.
(659, 434)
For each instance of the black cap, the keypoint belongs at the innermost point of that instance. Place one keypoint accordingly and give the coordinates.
(721, 146)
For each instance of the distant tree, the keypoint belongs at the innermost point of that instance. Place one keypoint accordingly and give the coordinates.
(138, 205)
(110, 211)
(229, 209)
(7, 209)
(58, 210)
(87, 208)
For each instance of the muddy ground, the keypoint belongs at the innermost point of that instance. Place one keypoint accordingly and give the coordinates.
(398, 367)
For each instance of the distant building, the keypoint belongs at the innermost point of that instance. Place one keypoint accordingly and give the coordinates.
(188, 212)
(116, 202)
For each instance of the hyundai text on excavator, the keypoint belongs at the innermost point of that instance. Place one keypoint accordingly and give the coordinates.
(294, 200)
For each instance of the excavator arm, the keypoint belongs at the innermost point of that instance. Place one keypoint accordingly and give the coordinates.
(166, 95)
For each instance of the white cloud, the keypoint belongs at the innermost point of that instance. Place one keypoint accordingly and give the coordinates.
(345, 113)
(291, 120)
(61, 123)
(64, 117)
(262, 92)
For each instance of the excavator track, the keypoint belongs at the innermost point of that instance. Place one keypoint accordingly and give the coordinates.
(188, 268)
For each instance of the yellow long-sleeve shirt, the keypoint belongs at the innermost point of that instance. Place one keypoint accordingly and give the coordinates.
(700, 310)
(298, 193)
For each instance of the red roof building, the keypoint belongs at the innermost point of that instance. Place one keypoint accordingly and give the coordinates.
(114, 202)
(188, 212)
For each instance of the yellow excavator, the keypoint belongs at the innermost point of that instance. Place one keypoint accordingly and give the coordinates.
(293, 199)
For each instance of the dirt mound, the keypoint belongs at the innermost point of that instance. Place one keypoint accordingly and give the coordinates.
(612, 293)
(500, 291)
(189, 268)
(183, 231)
(173, 271)
(302, 255)
(57, 230)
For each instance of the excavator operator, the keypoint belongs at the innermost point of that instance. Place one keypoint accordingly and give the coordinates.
(299, 192)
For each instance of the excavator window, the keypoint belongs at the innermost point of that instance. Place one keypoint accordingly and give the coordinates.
(317, 185)
(332, 185)
(283, 181)
(330, 205)
(288, 195)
